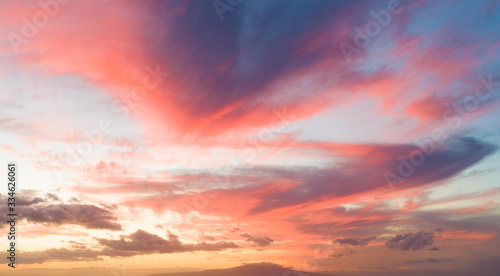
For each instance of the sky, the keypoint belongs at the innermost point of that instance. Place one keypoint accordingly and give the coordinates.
(344, 137)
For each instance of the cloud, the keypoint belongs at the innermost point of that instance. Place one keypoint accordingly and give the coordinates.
(231, 81)
(262, 189)
(22, 201)
(433, 260)
(354, 241)
(53, 197)
(245, 71)
(428, 260)
(345, 253)
(414, 241)
(259, 241)
(60, 254)
(29, 197)
(455, 155)
(142, 242)
(473, 224)
(137, 243)
(207, 237)
(86, 215)
(47, 210)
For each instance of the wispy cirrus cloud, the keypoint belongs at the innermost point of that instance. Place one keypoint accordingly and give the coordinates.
(236, 79)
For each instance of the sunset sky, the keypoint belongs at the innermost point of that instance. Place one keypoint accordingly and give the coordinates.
(345, 137)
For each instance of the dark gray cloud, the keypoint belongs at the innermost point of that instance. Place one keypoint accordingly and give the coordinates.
(142, 242)
(46, 209)
(23, 201)
(53, 197)
(259, 241)
(414, 241)
(137, 243)
(345, 253)
(27, 198)
(207, 237)
(86, 215)
(428, 260)
(354, 241)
